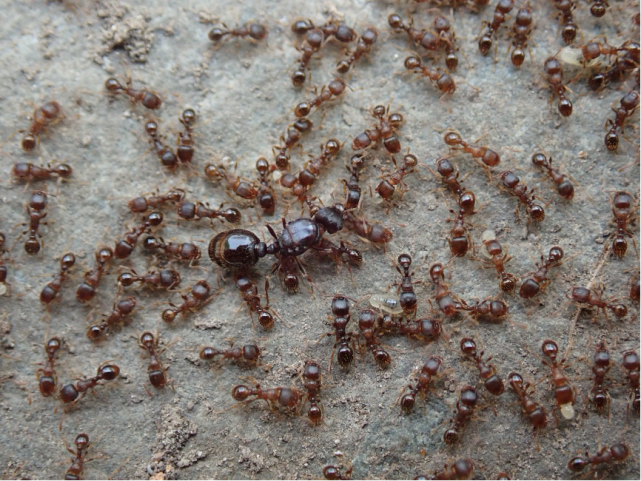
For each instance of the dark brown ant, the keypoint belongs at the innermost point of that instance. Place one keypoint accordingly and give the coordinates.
(52, 289)
(147, 98)
(513, 185)
(312, 384)
(265, 192)
(623, 210)
(448, 303)
(443, 81)
(564, 392)
(199, 295)
(449, 176)
(568, 27)
(353, 195)
(631, 365)
(422, 383)
(387, 186)
(599, 7)
(332, 90)
(165, 153)
(594, 298)
(256, 31)
(343, 339)
(375, 233)
(486, 155)
(165, 279)
(314, 40)
(614, 454)
(539, 280)
(533, 410)
(47, 378)
(189, 211)
(498, 259)
(367, 326)
(143, 204)
(618, 71)
(363, 46)
(77, 464)
(494, 309)
(522, 29)
(459, 239)
(487, 372)
(443, 27)
(464, 410)
(385, 131)
(29, 172)
(248, 354)
(289, 140)
(126, 246)
(74, 392)
(332, 472)
(249, 293)
(287, 397)
(5, 287)
(599, 392)
(503, 7)
(120, 311)
(629, 104)
(187, 251)
(36, 212)
(43, 116)
(461, 469)
(185, 150)
(408, 300)
(563, 186)
(156, 371)
(554, 72)
(87, 290)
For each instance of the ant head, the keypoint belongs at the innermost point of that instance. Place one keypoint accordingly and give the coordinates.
(464, 468)
(291, 283)
(539, 159)
(169, 315)
(556, 254)
(127, 279)
(82, 441)
(620, 310)
(340, 306)
(147, 340)
(53, 345)
(413, 62)
(515, 380)
(631, 360)
(437, 272)
(407, 402)
(32, 246)
(395, 21)
(620, 451)
(109, 372)
(207, 353)
(433, 364)
(379, 111)
(550, 349)
(405, 261)
(232, 215)
(67, 261)
(469, 396)
(265, 319)
(452, 138)
(577, 464)
(155, 219)
(468, 346)
(104, 255)
(241, 392)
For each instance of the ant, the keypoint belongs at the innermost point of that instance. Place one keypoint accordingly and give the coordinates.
(600, 395)
(367, 326)
(448, 303)
(87, 290)
(313, 42)
(533, 410)
(165, 153)
(594, 298)
(255, 31)
(387, 186)
(592, 50)
(503, 7)
(290, 139)
(332, 472)
(147, 98)
(459, 240)
(440, 77)
(385, 131)
(156, 371)
(426, 329)
(199, 295)
(312, 384)
(422, 383)
(424, 38)
(363, 46)
(240, 187)
(287, 397)
(36, 212)
(563, 186)
(522, 29)
(77, 463)
(407, 299)
(27, 171)
(120, 310)
(598, 8)
(248, 354)
(43, 116)
(568, 30)
(487, 372)
(353, 196)
(334, 89)
(377, 233)
(73, 392)
(617, 452)
(554, 71)
(249, 293)
(461, 469)
(617, 71)
(189, 211)
(47, 379)
(125, 247)
(52, 289)
(343, 339)
(623, 210)
(493, 248)
(486, 155)
(514, 186)
(449, 176)
(564, 392)
(265, 193)
(629, 104)
(539, 280)
(143, 204)
(447, 39)
(631, 365)
(185, 150)
(186, 251)
(496, 309)
(464, 410)
(165, 279)
(5, 287)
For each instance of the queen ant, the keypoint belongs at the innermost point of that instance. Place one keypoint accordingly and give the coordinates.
(43, 116)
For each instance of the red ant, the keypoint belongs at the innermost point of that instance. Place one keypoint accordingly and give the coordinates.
(600, 395)
(495, 309)
(447, 38)
(377, 233)
(503, 7)
(461, 469)
(332, 472)
(313, 43)
(522, 29)
(53, 288)
(568, 30)
(629, 104)
(486, 155)
(422, 383)
(185, 150)
(74, 392)
(199, 295)
(353, 196)
(189, 211)
(43, 116)
(363, 46)
(265, 192)
(156, 371)
(539, 280)
(448, 303)
(631, 365)
(514, 187)
(533, 410)
(459, 240)
(165, 279)
(143, 204)
(385, 131)
(187, 251)
(440, 77)
(312, 383)
(290, 139)
(387, 186)
(493, 248)
(77, 466)
(5, 287)
(487, 372)
(27, 171)
(464, 410)
(248, 354)
(367, 326)
(36, 212)
(87, 290)
(125, 247)
(165, 153)
(285, 396)
(334, 89)
(619, 69)
(449, 176)
(407, 299)
(249, 293)
(594, 298)
(554, 71)
(252, 30)
(47, 379)
(343, 339)
(615, 453)
(147, 98)
(564, 392)
(623, 210)
(563, 186)
(119, 312)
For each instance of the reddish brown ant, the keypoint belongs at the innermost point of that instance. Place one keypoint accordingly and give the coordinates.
(564, 392)
(387, 186)
(629, 104)
(74, 392)
(599, 392)
(143, 204)
(599, 7)
(539, 280)
(620, 68)
(367, 326)
(265, 192)
(461, 469)
(459, 239)
(568, 27)
(240, 187)
(165, 153)
(77, 464)
(494, 309)
(125, 247)
(248, 354)
(47, 378)
(422, 383)
(87, 290)
(332, 90)
(313, 42)
(438, 76)
(563, 186)
(464, 410)
(635, 289)
(199, 295)
(189, 211)
(289, 140)
(449, 176)
(353, 195)
(43, 116)
(343, 339)
(156, 371)
(385, 131)
(522, 29)
(120, 311)
(498, 259)
(249, 293)
(623, 210)
(147, 98)
(443, 27)
(53, 288)
(448, 303)
(29, 172)
(424, 38)
(594, 298)
(486, 155)
(408, 300)
(5, 287)
(312, 383)
(187, 251)
(375, 233)
(614, 454)
(36, 212)
(363, 46)
(631, 365)
(287, 397)
(503, 7)
(554, 71)
(533, 410)
(513, 185)
(487, 372)
(165, 279)
(255, 31)
(185, 150)
(332, 472)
